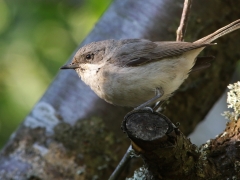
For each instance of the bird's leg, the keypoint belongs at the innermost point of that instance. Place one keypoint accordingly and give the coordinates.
(158, 93)
(158, 106)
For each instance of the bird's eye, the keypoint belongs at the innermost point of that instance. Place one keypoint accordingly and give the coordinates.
(88, 56)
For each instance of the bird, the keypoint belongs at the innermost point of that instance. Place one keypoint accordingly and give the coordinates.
(138, 72)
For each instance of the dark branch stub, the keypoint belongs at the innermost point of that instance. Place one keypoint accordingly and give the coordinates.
(166, 152)
(147, 129)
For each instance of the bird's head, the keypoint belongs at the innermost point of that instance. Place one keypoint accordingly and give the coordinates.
(92, 53)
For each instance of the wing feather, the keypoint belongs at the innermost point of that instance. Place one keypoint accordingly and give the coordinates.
(135, 52)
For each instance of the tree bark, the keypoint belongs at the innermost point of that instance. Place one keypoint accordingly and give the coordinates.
(72, 134)
(168, 154)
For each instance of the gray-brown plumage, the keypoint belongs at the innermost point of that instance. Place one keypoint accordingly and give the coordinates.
(128, 72)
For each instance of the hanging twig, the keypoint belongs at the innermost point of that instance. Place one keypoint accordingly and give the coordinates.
(183, 23)
(122, 164)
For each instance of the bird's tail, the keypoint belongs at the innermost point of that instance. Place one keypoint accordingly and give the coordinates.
(221, 32)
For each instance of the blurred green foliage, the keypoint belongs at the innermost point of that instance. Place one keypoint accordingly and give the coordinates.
(36, 38)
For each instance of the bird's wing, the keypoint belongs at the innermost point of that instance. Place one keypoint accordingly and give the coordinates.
(131, 50)
(135, 52)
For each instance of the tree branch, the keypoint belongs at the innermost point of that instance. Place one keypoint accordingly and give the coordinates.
(168, 154)
(184, 19)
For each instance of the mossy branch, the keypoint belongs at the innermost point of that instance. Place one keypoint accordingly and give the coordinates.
(169, 154)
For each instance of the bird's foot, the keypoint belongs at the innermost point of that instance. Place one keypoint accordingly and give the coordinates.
(144, 109)
(158, 93)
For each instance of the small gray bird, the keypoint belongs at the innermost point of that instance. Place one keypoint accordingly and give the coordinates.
(129, 72)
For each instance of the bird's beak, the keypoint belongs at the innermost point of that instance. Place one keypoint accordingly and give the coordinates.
(70, 66)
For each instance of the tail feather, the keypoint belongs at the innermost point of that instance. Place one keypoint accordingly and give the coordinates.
(221, 32)
(202, 63)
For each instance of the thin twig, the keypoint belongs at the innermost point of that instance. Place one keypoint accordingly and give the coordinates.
(122, 164)
(183, 23)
